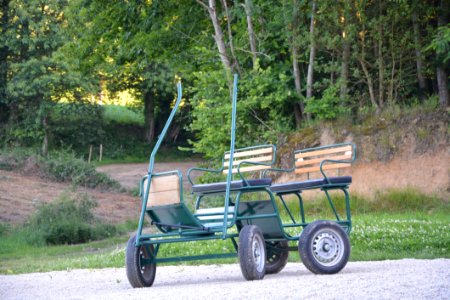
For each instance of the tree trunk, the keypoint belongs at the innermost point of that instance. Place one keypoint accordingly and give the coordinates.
(380, 61)
(230, 38)
(312, 54)
(251, 33)
(218, 37)
(344, 69)
(149, 112)
(441, 71)
(369, 84)
(4, 9)
(419, 61)
(45, 142)
(299, 107)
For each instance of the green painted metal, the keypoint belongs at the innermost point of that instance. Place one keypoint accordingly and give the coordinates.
(152, 162)
(177, 223)
(194, 257)
(230, 166)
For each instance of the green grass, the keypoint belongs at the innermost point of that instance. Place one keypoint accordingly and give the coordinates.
(374, 237)
(387, 230)
(123, 115)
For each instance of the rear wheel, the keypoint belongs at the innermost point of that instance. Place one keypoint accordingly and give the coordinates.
(324, 247)
(140, 272)
(252, 253)
(277, 256)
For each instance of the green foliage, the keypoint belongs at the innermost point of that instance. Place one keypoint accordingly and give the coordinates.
(77, 125)
(327, 108)
(64, 166)
(66, 221)
(262, 94)
(441, 44)
(123, 115)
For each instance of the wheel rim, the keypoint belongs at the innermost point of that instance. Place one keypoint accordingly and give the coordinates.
(258, 253)
(274, 251)
(145, 269)
(327, 247)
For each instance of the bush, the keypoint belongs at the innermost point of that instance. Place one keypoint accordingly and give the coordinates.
(67, 220)
(327, 108)
(64, 166)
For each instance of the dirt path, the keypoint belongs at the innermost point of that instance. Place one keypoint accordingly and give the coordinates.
(399, 279)
(19, 196)
(129, 175)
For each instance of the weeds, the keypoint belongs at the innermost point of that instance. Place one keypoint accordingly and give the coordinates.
(61, 166)
(64, 166)
(66, 221)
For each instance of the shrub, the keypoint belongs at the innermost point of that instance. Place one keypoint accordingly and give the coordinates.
(327, 108)
(67, 220)
(64, 166)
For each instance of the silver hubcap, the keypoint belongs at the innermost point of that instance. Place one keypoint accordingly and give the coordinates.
(258, 253)
(327, 247)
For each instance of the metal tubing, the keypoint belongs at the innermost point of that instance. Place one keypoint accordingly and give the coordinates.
(302, 208)
(152, 162)
(332, 205)
(230, 166)
(192, 238)
(287, 209)
(196, 257)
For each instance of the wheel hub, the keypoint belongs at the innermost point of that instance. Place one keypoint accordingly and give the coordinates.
(257, 254)
(327, 248)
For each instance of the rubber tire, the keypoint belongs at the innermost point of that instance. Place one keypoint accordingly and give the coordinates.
(248, 237)
(311, 235)
(277, 259)
(135, 276)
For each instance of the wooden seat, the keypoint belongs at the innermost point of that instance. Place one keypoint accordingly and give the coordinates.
(315, 161)
(250, 159)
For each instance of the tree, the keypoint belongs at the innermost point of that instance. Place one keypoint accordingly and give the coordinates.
(35, 74)
(4, 21)
(441, 69)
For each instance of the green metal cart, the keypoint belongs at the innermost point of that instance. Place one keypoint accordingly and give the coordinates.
(249, 216)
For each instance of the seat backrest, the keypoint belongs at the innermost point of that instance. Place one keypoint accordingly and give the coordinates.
(164, 190)
(263, 156)
(309, 160)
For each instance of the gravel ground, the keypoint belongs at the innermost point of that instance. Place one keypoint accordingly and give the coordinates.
(398, 279)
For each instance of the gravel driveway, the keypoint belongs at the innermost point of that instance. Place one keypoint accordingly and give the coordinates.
(398, 279)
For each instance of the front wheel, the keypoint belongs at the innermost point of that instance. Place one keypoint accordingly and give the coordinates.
(140, 272)
(324, 247)
(252, 252)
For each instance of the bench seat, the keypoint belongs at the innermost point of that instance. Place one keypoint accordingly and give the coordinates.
(220, 187)
(310, 184)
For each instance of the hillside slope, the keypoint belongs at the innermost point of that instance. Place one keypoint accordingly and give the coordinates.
(393, 151)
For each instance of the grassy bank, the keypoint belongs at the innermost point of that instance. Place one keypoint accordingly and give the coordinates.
(402, 224)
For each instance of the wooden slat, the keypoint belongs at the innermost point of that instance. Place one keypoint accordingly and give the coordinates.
(325, 167)
(247, 169)
(324, 151)
(164, 190)
(163, 198)
(164, 183)
(250, 152)
(253, 159)
(312, 161)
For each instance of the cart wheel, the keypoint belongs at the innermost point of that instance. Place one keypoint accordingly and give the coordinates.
(324, 247)
(277, 256)
(139, 274)
(252, 252)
